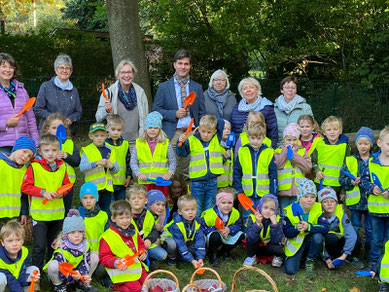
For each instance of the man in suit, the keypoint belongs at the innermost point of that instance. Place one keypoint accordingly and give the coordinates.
(169, 101)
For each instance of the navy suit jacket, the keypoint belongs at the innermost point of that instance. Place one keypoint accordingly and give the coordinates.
(165, 102)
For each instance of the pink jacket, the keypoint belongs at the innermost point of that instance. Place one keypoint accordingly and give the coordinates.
(27, 123)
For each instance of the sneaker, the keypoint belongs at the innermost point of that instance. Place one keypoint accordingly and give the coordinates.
(213, 260)
(355, 262)
(276, 262)
(171, 263)
(60, 288)
(310, 268)
(249, 262)
(383, 287)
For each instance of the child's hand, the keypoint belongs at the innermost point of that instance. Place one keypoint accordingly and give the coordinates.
(87, 280)
(23, 219)
(167, 176)
(100, 162)
(31, 276)
(273, 219)
(372, 274)
(200, 261)
(225, 231)
(108, 164)
(50, 195)
(147, 243)
(76, 276)
(183, 138)
(142, 257)
(258, 218)
(142, 176)
(121, 267)
(127, 182)
(62, 155)
(386, 194)
(319, 175)
(227, 154)
(302, 226)
(329, 264)
(356, 182)
(377, 190)
(342, 197)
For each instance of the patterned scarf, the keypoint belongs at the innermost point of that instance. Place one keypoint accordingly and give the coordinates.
(130, 231)
(128, 99)
(245, 107)
(182, 82)
(219, 98)
(288, 107)
(10, 92)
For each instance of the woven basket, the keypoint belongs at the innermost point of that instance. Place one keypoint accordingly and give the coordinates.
(162, 282)
(234, 287)
(206, 283)
(191, 285)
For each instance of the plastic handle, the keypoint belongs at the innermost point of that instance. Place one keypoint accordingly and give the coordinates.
(27, 106)
(187, 130)
(34, 273)
(105, 95)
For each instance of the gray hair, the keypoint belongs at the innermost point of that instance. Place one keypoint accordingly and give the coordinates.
(63, 59)
(121, 64)
(252, 80)
(218, 73)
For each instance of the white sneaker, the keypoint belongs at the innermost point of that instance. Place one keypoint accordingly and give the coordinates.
(276, 262)
(249, 262)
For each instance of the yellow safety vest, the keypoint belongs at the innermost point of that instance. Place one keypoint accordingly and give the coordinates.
(339, 215)
(10, 193)
(181, 226)
(244, 140)
(15, 268)
(265, 238)
(225, 179)
(121, 155)
(49, 181)
(378, 204)
(314, 144)
(120, 250)
(94, 227)
(353, 196)
(294, 244)
(198, 164)
(286, 175)
(68, 147)
(210, 217)
(330, 159)
(153, 165)
(101, 177)
(384, 270)
(265, 157)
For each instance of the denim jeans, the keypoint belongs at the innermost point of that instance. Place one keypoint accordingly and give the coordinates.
(283, 202)
(157, 253)
(356, 222)
(105, 199)
(204, 191)
(380, 229)
(67, 201)
(171, 248)
(246, 213)
(119, 194)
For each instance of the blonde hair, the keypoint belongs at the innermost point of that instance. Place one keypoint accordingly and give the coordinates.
(114, 119)
(185, 199)
(120, 207)
(54, 117)
(332, 120)
(208, 121)
(12, 227)
(258, 116)
(253, 81)
(257, 130)
(161, 136)
(48, 139)
(136, 189)
(312, 121)
(384, 132)
(121, 65)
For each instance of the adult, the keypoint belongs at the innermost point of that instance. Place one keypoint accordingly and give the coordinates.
(289, 106)
(127, 99)
(219, 100)
(12, 98)
(170, 100)
(250, 89)
(58, 95)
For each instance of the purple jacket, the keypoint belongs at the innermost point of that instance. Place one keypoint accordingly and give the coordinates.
(27, 123)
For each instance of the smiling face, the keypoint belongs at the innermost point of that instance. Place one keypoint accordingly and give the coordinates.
(152, 132)
(76, 237)
(219, 83)
(307, 202)
(126, 75)
(123, 221)
(306, 129)
(364, 146)
(332, 132)
(49, 152)
(158, 208)
(12, 244)
(188, 210)
(291, 140)
(249, 92)
(63, 72)
(21, 156)
(225, 206)
(289, 91)
(182, 67)
(7, 72)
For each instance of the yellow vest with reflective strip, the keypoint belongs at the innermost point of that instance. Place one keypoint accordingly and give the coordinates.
(68, 147)
(210, 217)
(15, 268)
(49, 181)
(68, 257)
(148, 225)
(294, 244)
(121, 155)
(330, 159)
(198, 164)
(339, 215)
(265, 157)
(100, 176)
(384, 270)
(10, 193)
(314, 144)
(265, 238)
(353, 196)
(378, 204)
(152, 165)
(181, 226)
(120, 250)
(94, 227)
(225, 179)
(286, 175)
(244, 140)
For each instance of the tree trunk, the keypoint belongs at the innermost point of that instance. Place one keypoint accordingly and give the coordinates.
(126, 39)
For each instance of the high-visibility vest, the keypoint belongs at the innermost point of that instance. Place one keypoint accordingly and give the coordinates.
(10, 193)
(384, 270)
(68, 147)
(265, 157)
(152, 165)
(353, 196)
(286, 175)
(294, 244)
(99, 176)
(181, 227)
(69, 257)
(49, 181)
(198, 164)
(225, 179)
(339, 214)
(264, 237)
(94, 227)
(210, 217)
(330, 159)
(378, 204)
(120, 250)
(148, 225)
(244, 140)
(311, 147)
(14, 268)
(121, 155)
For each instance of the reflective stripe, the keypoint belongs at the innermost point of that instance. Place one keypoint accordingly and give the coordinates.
(328, 166)
(98, 180)
(116, 272)
(247, 176)
(354, 194)
(263, 187)
(93, 240)
(378, 204)
(284, 171)
(47, 210)
(287, 180)
(384, 279)
(9, 208)
(198, 167)
(216, 165)
(291, 247)
(144, 164)
(120, 177)
(197, 157)
(332, 177)
(95, 170)
(160, 164)
(385, 265)
(263, 176)
(10, 195)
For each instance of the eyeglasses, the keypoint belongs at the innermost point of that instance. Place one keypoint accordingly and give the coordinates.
(126, 72)
(219, 80)
(63, 68)
(290, 87)
(4, 66)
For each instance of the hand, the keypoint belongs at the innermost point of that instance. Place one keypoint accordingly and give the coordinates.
(142, 257)
(23, 219)
(377, 190)
(182, 138)
(227, 154)
(342, 197)
(167, 176)
(225, 231)
(329, 264)
(195, 264)
(258, 218)
(356, 182)
(107, 105)
(62, 155)
(372, 274)
(273, 219)
(87, 280)
(302, 226)
(319, 175)
(147, 243)
(142, 176)
(12, 122)
(108, 164)
(50, 195)
(386, 194)
(127, 182)
(37, 277)
(101, 162)
(76, 276)
(122, 267)
(180, 113)
(69, 122)
(200, 261)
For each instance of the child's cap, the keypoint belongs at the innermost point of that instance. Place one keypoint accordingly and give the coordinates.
(89, 188)
(224, 196)
(326, 193)
(305, 187)
(260, 204)
(73, 222)
(292, 130)
(153, 120)
(155, 196)
(366, 133)
(24, 143)
(97, 126)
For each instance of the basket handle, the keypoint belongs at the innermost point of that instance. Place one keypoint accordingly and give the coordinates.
(191, 285)
(207, 269)
(263, 273)
(162, 272)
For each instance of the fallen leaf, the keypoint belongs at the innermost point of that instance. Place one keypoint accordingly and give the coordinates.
(324, 290)
(355, 290)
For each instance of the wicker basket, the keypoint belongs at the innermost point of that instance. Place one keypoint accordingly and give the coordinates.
(206, 283)
(191, 285)
(162, 282)
(263, 273)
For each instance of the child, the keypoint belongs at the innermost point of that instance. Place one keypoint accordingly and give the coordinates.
(255, 173)
(43, 177)
(177, 189)
(310, 133)
(119, 240)
(12, 170)
(206, 160)
(69, 153)
(122, 178)
(330, 154)
(290, 170)
(185, 233)
(229, 236)
(15, 270)
(153, 156)
(99, 163)
(72, 247)
(225, 179)
(264, 233)
(156, 204)
(356, 197)
(305, 232)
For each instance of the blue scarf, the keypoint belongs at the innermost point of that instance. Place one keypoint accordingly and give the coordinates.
(67, 85)
(10, 91)
(128, 99)
(219, 98)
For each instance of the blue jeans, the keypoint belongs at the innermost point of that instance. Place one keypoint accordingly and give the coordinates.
(204, 191)
(119, 194)
(283, 202)
(356, 222)
(67, 201)
(380, 229)
(105, 199)
(246, 213)
(157, 253)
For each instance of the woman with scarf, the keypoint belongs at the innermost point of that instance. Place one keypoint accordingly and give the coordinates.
(219, 100)
(126, 99)
(289, 106)
(250, 89)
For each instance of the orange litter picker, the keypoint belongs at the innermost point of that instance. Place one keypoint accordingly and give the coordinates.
(34, 273)
(129, 260)
(27, 106)
(60, 191)
(105, 95)
(68, 269)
